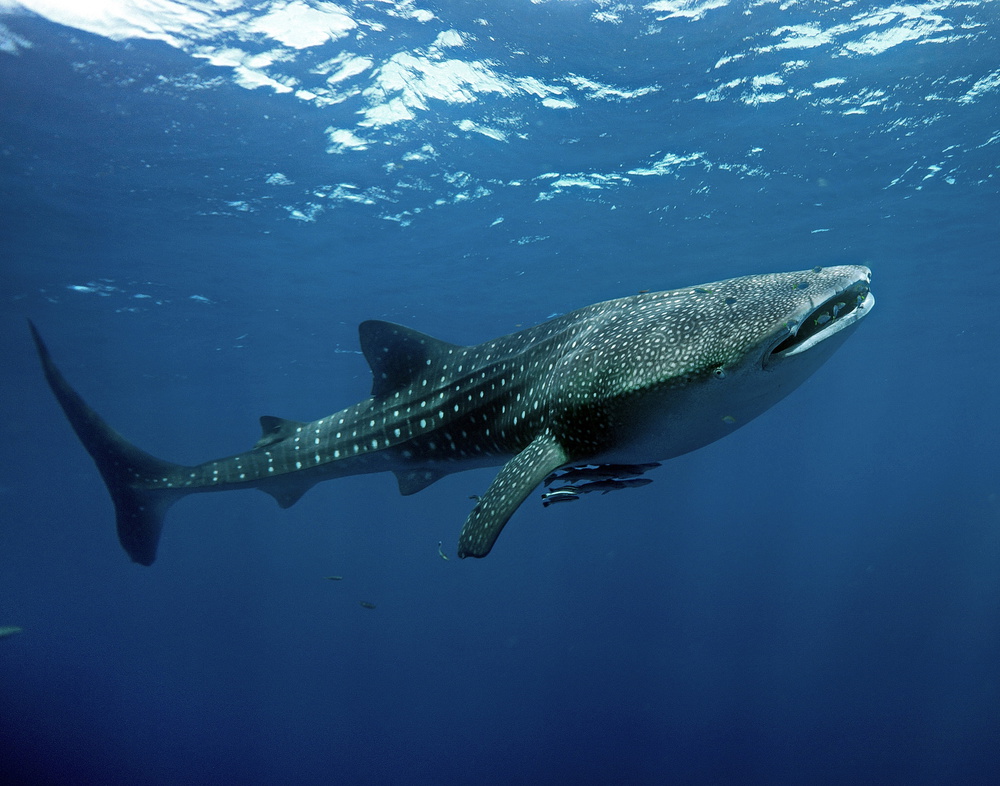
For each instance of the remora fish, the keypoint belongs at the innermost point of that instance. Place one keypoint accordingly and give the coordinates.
(604, 472)
(564, 494)
(604, 486)
(628, 381)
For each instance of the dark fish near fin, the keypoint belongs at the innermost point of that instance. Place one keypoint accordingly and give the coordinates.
(604, 486)
(600, 472)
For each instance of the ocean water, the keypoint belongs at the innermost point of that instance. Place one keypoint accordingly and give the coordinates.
(201, 201)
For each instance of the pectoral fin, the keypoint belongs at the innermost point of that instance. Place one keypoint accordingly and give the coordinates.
(509, 489)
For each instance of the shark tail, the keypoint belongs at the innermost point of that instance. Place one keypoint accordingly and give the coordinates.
(139, 510)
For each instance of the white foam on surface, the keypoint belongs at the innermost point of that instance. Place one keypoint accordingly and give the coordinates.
(492, 133)
(596, 90)
(299, 26)
(399, 89)
(670, 163)
(411, 93)
(686, 9)
(343, 139)
(987, 84)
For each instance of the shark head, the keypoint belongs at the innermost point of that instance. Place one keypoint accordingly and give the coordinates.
(780, 323)
(690, 365)
(830, 302)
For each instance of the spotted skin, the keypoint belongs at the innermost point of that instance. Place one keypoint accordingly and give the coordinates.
(628, 381)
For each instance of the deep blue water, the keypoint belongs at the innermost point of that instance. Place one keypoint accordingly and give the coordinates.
(813, 599)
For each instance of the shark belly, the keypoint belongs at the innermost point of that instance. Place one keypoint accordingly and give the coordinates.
(661, 425)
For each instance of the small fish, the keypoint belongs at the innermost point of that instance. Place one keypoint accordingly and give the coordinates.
(602, 472)
(9, 630)
(604, 486)
(577, 473)
(366, 605)
(334, 578)
(564, 494)
(441, 550)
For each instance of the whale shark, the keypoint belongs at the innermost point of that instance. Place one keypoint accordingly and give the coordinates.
(635, 380)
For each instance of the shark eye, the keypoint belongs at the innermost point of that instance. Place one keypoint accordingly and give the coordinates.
(719, 372)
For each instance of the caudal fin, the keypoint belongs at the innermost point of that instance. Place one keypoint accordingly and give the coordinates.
(123, 466)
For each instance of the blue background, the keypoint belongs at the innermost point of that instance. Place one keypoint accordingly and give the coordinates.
(814, 599)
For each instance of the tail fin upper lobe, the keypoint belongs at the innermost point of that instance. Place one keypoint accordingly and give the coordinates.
(123, 466)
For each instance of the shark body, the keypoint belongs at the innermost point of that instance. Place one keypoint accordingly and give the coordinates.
(628, 381)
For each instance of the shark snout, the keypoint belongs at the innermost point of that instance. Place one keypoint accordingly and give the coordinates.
(840, 308)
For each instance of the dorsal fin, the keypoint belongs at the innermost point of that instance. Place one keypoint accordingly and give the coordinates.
(275, 429)
(397, 355)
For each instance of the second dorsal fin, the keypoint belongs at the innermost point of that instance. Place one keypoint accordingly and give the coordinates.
(398, 355)
(275, 429)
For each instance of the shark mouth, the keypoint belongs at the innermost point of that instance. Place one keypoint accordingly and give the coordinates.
(829, 317)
